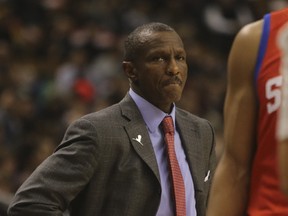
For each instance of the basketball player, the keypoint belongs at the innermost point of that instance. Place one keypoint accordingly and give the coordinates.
(247, 179)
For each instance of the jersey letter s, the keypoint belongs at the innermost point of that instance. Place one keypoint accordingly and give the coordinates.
(273, 93)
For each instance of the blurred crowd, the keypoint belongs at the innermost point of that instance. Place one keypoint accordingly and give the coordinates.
(60, 59)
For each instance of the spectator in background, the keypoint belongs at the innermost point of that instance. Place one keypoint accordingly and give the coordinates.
(223, 19)
(8, 169)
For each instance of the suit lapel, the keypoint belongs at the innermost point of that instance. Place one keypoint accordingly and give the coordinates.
(138, 134)
(191, 141)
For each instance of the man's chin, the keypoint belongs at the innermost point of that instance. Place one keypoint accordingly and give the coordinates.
(174, 97)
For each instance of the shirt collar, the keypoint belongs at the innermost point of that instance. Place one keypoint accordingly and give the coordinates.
(152, 115)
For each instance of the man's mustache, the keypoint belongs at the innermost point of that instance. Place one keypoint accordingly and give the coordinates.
(173, 80)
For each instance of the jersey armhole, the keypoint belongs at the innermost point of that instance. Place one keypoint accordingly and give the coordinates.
(262, 46)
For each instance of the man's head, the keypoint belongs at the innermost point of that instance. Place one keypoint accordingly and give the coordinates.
(155, 63)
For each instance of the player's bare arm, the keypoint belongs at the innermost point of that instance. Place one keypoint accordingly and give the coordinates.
(233, 172)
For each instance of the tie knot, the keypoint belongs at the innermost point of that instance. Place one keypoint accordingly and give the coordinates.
(167, 125)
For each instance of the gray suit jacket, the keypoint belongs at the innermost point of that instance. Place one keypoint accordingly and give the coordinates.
(99, 169)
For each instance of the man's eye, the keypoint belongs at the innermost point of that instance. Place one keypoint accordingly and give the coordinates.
(180, 58)
(158, 59)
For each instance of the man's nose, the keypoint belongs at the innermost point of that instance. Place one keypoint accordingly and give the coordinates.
(172, 68)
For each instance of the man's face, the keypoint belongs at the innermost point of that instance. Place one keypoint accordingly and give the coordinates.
(161, 70)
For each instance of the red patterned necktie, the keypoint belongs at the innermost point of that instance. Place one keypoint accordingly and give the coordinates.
(177, 179)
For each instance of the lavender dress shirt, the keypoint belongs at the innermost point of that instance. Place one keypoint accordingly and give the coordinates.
(153, 117)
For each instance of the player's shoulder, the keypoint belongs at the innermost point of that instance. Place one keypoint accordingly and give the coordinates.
(248, 38)
(251, 31)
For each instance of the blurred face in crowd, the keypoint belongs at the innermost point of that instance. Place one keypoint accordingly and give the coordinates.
(159, 71)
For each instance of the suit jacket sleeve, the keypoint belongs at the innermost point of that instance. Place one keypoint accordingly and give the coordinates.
(52, 186)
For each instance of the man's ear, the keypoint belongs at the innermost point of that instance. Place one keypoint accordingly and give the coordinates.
(130, 70)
